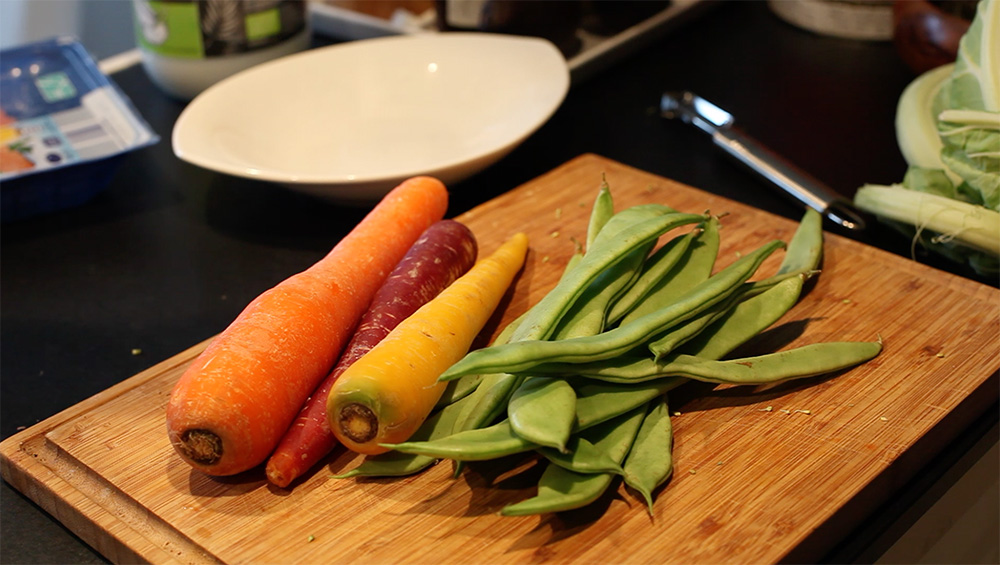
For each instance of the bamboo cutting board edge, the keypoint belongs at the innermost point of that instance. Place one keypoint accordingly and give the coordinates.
(99, 523)
(25, 464)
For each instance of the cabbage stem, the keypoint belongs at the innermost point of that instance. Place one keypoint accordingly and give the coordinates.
(974, 226)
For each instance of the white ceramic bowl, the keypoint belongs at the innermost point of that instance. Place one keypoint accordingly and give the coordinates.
(351, 121)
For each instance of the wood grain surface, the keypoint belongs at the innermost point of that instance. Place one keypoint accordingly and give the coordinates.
(762, 474)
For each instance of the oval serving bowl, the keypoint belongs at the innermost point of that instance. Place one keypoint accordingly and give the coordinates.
(350, 121)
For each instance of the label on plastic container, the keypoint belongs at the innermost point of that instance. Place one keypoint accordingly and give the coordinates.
(36, 143)
(212, 28)
(96, 128)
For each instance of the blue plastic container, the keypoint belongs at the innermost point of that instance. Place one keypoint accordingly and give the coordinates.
(64, 128)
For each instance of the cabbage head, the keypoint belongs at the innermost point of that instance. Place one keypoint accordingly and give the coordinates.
(948, 130)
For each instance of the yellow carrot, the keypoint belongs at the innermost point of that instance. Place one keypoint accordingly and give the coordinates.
(385, 396)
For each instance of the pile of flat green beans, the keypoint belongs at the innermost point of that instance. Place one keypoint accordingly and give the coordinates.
(581, 379)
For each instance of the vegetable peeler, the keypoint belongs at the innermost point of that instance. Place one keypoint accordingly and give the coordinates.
(693, 109)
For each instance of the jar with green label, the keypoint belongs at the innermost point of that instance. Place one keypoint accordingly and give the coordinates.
(189, 45)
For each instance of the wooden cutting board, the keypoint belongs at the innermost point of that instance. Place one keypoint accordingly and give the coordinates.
(762, 474)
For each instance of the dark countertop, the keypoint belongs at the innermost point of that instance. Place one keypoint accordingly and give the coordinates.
(170, 253)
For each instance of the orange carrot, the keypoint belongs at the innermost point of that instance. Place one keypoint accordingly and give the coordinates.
(231, 406)
(385, 396)
(442, 254)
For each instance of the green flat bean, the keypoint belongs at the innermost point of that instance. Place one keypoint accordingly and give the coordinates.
(389, 464)
(488, 401)
(458, 389)
(650, 462)
(543, 410)
(598, 401)
(523, 355)
(582, 457)
(750, 313)
(744, 321)
(481, 444)
(570, 265)
(689, 329)
(805, 249)
(693, 268)
(801, 362)
(561, 489)
(802, 256)
(655, 269)
(588, 314)
(602, 210)
(486, 404)
(606, 251)
(601, 447)
(754, 288)
(577, 284)
(762, 303)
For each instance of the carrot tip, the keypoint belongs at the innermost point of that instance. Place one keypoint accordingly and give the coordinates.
(358, 423)
(201, 446)
(277, 478)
